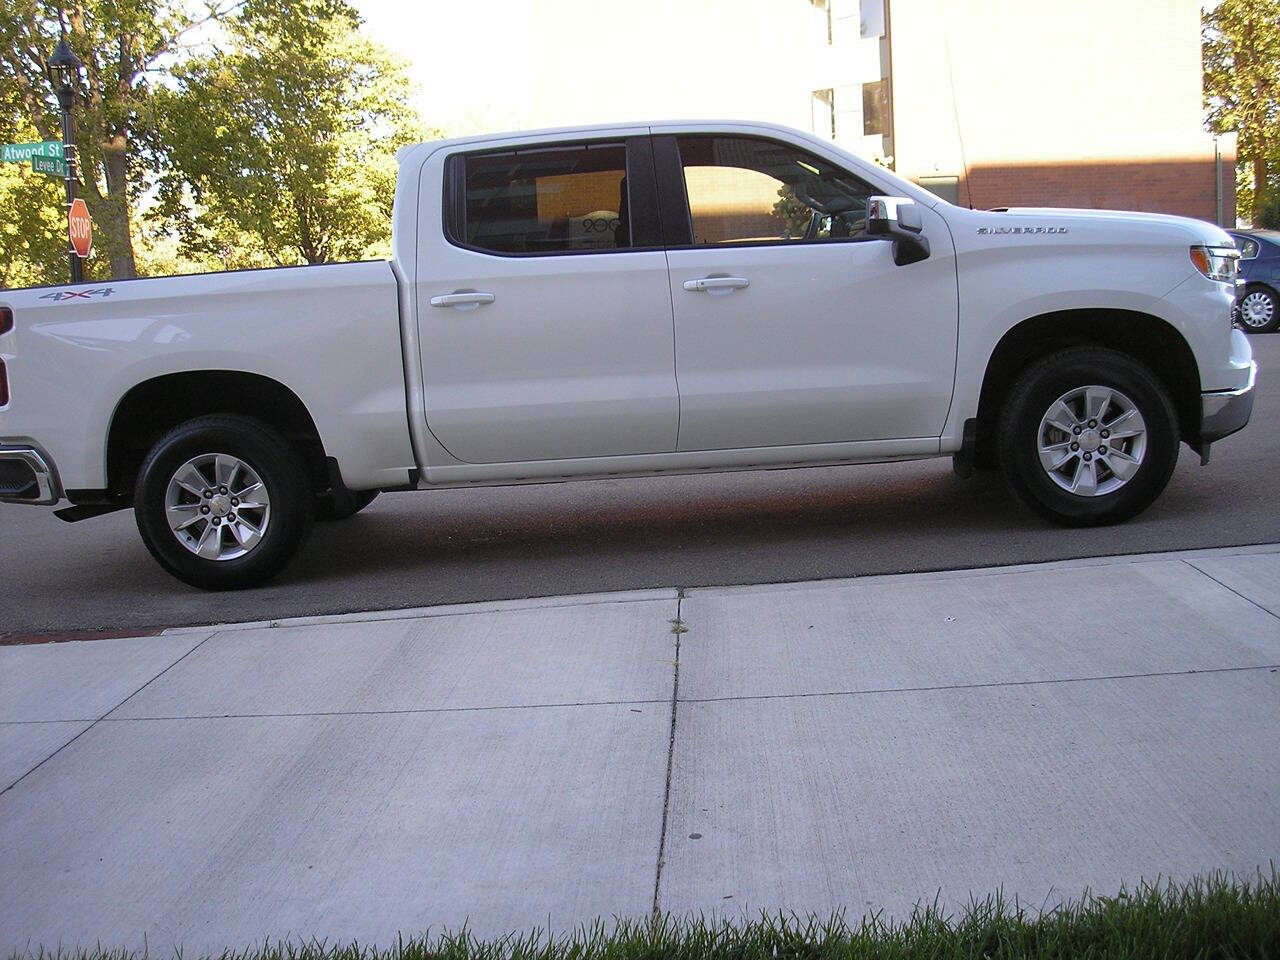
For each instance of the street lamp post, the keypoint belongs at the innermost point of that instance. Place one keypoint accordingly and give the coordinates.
(63, 70)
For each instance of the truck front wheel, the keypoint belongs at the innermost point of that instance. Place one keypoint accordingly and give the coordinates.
(223, 502)
(1088, 437)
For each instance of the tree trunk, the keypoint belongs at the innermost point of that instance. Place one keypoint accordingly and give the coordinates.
(113, 212)
(1259, 186)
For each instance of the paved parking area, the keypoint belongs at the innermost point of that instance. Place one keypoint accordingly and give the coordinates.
(856, 744)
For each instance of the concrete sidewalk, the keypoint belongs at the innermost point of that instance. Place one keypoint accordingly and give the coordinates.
(857, 743)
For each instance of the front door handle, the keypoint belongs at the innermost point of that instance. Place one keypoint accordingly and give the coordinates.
(714, 285)
(463, 300)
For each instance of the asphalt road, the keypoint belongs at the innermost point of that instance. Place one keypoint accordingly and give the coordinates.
(451, 546)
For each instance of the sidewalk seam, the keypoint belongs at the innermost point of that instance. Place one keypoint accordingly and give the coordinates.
(982, 686)
(108, 712)
(1266, 610)
(285, 715)
(678, 628)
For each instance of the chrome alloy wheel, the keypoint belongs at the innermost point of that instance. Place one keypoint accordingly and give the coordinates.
(217, 506)
(1257, 310)
(1092, 441)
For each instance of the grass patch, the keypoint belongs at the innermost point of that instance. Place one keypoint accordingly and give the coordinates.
(1218, 918)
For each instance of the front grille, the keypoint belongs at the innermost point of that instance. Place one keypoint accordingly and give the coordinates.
(18, 480)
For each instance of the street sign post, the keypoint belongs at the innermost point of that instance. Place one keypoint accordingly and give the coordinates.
(22, 152)
(80, 228)
(49, 166)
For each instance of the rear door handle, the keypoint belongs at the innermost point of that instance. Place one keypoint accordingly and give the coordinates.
(714, 285)
(465, 300)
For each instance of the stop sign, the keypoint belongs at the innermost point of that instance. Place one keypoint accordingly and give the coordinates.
(80, 228)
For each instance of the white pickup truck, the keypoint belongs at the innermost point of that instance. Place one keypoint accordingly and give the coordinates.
(627, 300)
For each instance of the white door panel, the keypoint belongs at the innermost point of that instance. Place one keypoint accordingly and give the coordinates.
(572, 358)
(826, 342)
(543, 335)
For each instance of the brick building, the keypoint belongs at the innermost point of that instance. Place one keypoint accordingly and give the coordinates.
(1024, 103)
(1090, 103)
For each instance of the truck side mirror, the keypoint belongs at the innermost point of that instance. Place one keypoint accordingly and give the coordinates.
(898, 219)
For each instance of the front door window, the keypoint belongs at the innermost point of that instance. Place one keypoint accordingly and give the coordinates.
(746, 190)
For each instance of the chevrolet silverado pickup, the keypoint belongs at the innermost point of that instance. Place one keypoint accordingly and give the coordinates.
(618, 301)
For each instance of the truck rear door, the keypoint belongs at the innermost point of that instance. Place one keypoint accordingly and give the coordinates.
(544, 310)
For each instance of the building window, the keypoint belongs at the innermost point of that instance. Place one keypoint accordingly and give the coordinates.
(875, 108)
(871, 15)
(825, 6)
(822, 112)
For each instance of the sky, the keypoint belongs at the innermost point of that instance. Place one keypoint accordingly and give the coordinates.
(486, 65)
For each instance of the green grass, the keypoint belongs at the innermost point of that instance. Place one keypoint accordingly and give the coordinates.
(1217, 917)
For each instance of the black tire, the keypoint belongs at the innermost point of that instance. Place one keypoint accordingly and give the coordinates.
(1020, 435)
(1269, 305)
(340, 504)
(263, 451)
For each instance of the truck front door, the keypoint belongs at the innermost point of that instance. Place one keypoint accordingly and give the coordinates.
(792, 325)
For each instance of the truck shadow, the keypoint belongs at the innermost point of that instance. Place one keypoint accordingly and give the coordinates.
(458, 545)
(650, 522)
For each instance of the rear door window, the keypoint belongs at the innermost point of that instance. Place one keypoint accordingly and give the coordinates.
(562, 199)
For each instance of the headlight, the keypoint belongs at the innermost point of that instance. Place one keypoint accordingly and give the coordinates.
(1216, 263)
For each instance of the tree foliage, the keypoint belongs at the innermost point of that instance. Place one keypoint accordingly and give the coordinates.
(1241, 42)
(282, 138)
(124, 45)
(33, 230)
(213, 134)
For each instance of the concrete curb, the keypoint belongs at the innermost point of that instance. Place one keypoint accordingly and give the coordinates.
(675, 593)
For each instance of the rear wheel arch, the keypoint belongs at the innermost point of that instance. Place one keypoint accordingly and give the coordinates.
(1146, 338)
(153, 407)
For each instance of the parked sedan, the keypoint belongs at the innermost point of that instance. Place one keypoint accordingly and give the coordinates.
(1259, 307)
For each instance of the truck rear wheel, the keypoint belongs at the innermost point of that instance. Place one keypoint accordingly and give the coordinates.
(223, 502)
(1088, 437)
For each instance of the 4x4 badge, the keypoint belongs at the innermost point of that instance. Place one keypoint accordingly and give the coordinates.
(60, 295)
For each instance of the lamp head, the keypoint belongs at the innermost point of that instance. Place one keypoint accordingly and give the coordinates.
(63, 69)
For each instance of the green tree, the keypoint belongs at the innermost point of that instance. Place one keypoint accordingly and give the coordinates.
(1241, 43)
(33, 231)
(33, 228)
(124, 45)
(795, 213)
(285, 135)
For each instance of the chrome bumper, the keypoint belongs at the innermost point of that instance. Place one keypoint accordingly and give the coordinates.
(1225, 412)
(27, 476)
